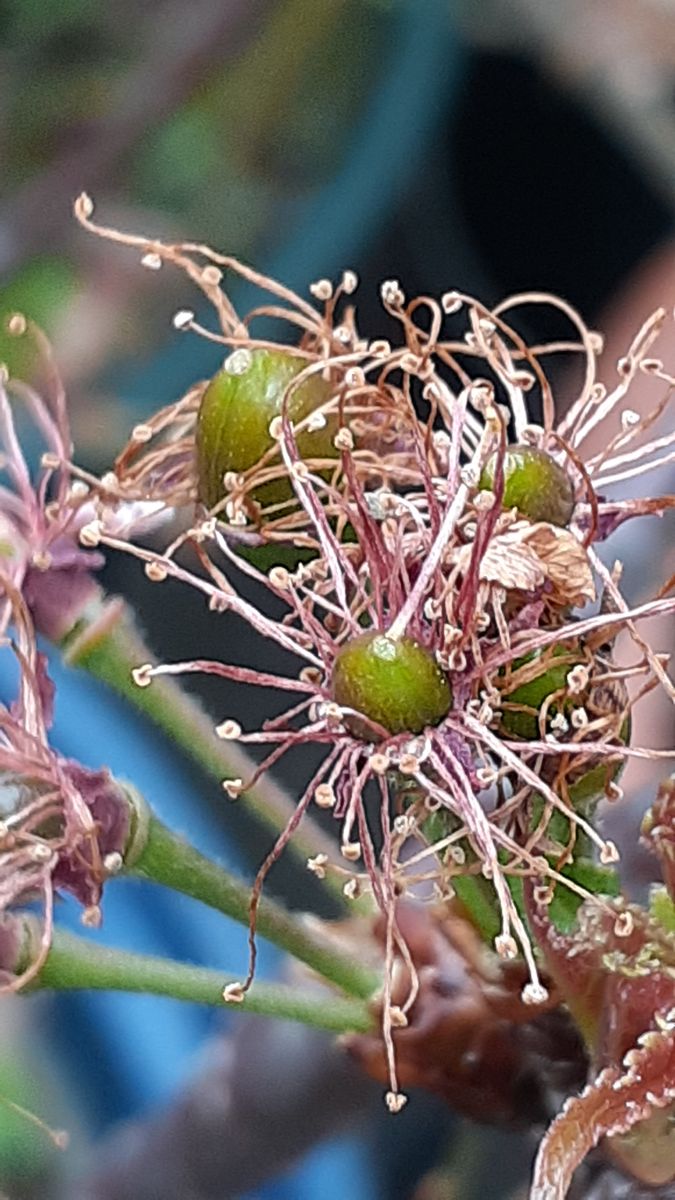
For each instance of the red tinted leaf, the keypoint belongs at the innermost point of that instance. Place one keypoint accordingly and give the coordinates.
(658, 832)
(612, 1105)
(574, 961)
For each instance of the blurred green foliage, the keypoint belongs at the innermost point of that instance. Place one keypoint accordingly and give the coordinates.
(25, 1148)
(188, 136)
(42, 289)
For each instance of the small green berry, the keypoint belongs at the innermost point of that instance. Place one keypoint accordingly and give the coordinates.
(593, 783)
(395, 683)
(584, 787)
(233, 425)
(534, 483)
(523, 722)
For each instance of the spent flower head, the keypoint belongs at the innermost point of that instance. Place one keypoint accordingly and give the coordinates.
(40, 512)
(449, 665)
(63, 827)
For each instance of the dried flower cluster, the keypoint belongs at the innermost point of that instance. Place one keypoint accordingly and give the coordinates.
(430, 528)
(399, 538)
(63, 827)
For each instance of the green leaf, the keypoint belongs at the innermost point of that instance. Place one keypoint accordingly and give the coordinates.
(599, 881)
(662, 909)
(478, 898)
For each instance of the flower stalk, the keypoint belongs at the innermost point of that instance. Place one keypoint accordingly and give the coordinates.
(108, 645)
(75, 963)
(167, 859)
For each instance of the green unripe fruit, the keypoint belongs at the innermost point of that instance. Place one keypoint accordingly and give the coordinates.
(531, 695)
(524, 723)
(233, 425)
(534, 483)
(396, 683)
(593, 783)
(583, 788)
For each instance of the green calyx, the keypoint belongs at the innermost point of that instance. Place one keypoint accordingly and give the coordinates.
(394, 683)
(534, 483)
(233, 425)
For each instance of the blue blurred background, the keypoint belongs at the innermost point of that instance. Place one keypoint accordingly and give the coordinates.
(491, 147)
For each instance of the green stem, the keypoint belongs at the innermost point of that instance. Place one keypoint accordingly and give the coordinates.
(166, 859)
(74, 963)
(107, 644)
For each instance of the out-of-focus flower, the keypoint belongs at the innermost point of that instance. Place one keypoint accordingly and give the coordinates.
(63, 827)
(45, 513)
(470, 717)
(39, 517)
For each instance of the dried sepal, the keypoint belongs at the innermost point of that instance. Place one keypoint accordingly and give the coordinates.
(40, 515)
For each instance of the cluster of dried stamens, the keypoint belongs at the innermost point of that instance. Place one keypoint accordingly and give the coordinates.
(63, 827)
(403, 539)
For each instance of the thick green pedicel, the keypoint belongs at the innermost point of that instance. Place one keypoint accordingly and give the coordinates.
(396, 683)
(534, 483)
(234, 420)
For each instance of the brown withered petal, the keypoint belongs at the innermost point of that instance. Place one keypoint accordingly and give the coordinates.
(511, 563)
(526, 556)
(564, 563)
